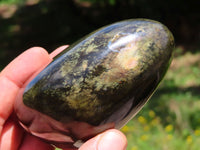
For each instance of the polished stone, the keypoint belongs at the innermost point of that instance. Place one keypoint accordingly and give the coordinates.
(98, 83)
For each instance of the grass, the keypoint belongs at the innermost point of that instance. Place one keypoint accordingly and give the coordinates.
(12, 3)
(2, 2)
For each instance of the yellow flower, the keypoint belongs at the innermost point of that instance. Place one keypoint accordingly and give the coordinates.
(169, 128)
(125, 129)
(169, 137)
(134, 148)
(144, 137)
(197, 132)
(189, 139)
(152, 114)
(142, 120)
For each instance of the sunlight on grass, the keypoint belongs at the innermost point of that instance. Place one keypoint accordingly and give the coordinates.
(9, 7)
(11, 1)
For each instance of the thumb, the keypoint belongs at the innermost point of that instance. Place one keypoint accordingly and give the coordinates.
(111, 139)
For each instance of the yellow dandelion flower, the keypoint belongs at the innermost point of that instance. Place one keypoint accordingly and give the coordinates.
(152, 114)
(189, 139)
(134, 148)
(144, 137)
(142, 120)
(169, 128)
(169, 137)
(197, 132)
(125, 129)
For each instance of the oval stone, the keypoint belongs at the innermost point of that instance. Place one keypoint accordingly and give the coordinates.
(98, 83)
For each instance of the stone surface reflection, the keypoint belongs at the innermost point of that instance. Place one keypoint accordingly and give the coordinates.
(99, 83)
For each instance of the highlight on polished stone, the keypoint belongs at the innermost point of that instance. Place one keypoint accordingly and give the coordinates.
(98, 83)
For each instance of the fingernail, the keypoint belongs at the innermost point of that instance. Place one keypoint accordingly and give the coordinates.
(112, 141)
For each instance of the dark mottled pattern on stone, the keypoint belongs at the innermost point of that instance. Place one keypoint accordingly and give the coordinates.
(105, 77)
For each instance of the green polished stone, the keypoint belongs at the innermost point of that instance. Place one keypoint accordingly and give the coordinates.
(105, 78)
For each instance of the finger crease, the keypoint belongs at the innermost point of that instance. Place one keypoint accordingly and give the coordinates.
(18, 84)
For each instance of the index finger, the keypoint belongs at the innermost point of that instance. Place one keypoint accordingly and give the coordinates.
(15, 75)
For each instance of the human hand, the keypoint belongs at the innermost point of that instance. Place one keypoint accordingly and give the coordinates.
(12, 79)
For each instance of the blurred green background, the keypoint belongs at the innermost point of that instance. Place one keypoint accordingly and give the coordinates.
(171, 119)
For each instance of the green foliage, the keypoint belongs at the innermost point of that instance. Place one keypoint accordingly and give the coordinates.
(11, 1)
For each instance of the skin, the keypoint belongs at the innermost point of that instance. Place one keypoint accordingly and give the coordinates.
(13, 79)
